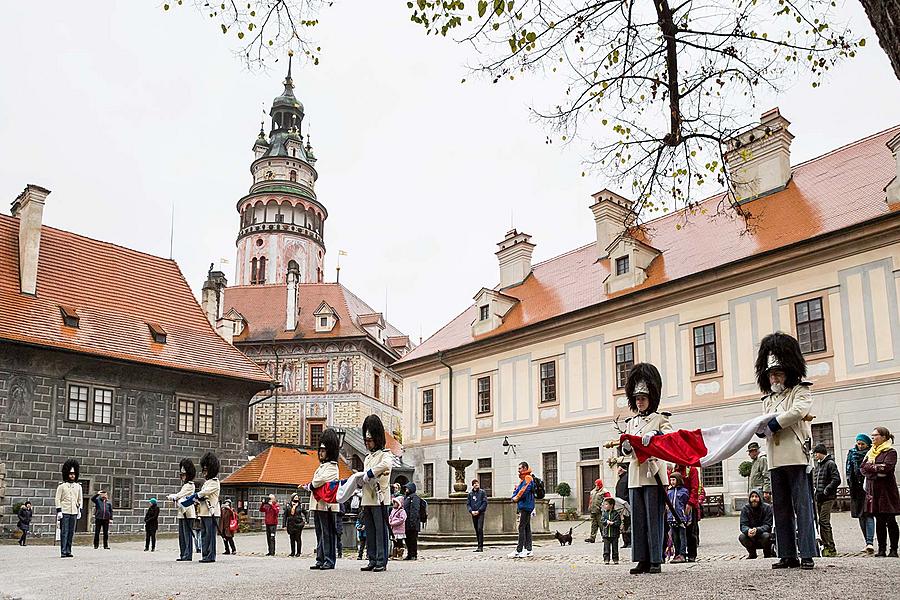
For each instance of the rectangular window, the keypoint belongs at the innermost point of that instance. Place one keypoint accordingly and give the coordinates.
(315, 434)
(483, 313)
(121, 492)
(548, 381)
(622, 265)
(624, 362)
(705, 349)
(186, 416)
(78, 403)
(484, 463)
(428, 406)
(823, 433)
(396, 395)
(323, 321)
(103, 401)
(484, 395)
(205, 418)
(317, 379)
(428, 482)
(810, 325)
(486, 480)
(713, 476)
(548, 460)
(377, 384)
(590, 453)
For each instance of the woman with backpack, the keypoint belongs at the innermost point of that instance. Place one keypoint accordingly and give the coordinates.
(416, 516)
(228, 525)
(295, 519)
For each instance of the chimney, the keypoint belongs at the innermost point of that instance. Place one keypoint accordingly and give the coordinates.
(211, 295)
(759, 160)
(515, 258)
(612, 214)
(293, 276)
(29, 209)
(893, 188)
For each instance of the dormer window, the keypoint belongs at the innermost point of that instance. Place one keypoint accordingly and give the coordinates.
(483, 313)
(69, 316)
(323, 321)
(157, 332)
(622, 265)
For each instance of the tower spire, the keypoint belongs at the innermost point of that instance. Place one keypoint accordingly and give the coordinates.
(289, 81)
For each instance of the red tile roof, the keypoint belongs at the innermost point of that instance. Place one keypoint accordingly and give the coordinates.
(837, 190)
(278, 465)
(117, 293)
(264, 308)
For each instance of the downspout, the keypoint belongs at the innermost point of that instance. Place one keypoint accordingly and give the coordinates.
(449, 426)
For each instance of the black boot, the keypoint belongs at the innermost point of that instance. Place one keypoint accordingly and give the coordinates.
(786, 563)
(807, 564)
(641, 567)
(655, 568)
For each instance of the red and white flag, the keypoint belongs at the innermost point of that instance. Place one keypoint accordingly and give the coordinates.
(699, 447)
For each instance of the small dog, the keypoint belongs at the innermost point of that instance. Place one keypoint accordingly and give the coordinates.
(564, 538)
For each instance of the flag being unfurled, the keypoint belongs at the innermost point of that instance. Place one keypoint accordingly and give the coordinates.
(700, 447)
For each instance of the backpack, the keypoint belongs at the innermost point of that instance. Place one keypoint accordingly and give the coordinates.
(423, 511)
(539, 490)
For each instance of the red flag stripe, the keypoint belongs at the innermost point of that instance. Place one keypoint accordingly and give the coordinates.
(683, 447)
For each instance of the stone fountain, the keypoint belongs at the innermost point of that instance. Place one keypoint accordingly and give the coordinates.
(460, 487)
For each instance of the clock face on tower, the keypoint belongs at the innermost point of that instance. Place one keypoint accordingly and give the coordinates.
(269, 174)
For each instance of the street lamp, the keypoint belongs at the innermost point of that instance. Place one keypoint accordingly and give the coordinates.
(508, 446)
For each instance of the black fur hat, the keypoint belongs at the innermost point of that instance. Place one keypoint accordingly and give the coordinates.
(374, 428)
(786, 356)
(210, 463)
(329, 443)
(649, 375)
(68, 466)
(190, 471)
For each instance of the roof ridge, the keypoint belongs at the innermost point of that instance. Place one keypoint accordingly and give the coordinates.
(847, 145)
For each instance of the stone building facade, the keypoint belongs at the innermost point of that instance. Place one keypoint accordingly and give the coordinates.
(96, 365)
(537, 364)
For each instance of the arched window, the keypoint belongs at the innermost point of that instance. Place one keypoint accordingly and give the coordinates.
(253, 271)
(261, 273)
(293, 176)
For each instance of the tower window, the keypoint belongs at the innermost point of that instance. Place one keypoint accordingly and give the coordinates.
(253, 270)
(279, 218)
(261, 274)
(293, 173)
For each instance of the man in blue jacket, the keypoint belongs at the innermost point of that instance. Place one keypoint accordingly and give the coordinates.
(524, 497)
(103, 514)
(476, 503)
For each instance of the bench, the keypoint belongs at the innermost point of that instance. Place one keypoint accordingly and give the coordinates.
(714, 505)
(842, 501)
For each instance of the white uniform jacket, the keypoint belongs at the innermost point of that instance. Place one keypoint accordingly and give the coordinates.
(209, 499)
(185, 512)
(69, 497)
(378, 466)
(326, 473)
(640, 475)
(789, 445)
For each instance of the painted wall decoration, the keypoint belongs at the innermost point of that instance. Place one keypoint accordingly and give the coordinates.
(345, 376)
(146, 409)
(21, 397)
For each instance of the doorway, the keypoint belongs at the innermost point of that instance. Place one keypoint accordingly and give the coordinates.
(87, 507)
(589, 474)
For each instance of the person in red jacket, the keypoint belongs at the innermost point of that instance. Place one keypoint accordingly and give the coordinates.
(270, 509)
(691, 476)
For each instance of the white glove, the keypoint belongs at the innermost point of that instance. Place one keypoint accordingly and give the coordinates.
(626, 447)
(171, 497)
(533, 513)
(645, 441)
(59, 516)
(79, 514)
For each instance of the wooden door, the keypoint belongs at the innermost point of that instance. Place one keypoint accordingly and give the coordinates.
(589, 474)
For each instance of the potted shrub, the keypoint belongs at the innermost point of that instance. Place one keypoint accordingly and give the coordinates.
(744, 470)
(564, 491)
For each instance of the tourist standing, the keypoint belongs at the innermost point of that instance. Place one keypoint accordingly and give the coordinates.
(642, 388)
(228, 525)
(69, 497)
(856, 485)
(678, 518)
(610, 522)
(595, 507)
(397, 521)
(376, 495)
(151, 525)
(415, 508)
(756, 525)
(780, 369)
(759, 468)
(185, 515)
(103, 514)
(882, 498)
(323, 500)
(827, 480)
(360, 536)
(476, 504)
(208, 506)
(691, 478)
(623, 495)
(25, 514)
(270, 509)
(523, 496)
(295, 519)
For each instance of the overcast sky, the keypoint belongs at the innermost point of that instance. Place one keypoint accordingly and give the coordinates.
(122, 110)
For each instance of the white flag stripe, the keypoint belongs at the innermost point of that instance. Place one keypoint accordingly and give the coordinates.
(724, 441)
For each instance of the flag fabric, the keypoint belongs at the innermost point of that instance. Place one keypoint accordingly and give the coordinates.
(700, 447)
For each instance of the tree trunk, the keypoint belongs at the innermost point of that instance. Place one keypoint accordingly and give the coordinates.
(885, 18)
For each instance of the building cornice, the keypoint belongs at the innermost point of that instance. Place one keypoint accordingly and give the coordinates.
(255, 163)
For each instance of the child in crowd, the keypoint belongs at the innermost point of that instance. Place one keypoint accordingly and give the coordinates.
(610, 525)
(678, 498)
(360, 536)
(397, 521)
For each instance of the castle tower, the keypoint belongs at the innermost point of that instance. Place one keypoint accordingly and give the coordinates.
(282, 222)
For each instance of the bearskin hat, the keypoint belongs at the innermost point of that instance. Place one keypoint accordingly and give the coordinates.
(373, 428)
(68, 466)
(190, 471)
(210, 464)
(648, 375)
(785, 355)
(330, 444)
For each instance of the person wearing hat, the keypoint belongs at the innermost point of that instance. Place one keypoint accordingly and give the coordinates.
(856, 486)
(759, 469)
(227, 526)
(827, 478)
(376, 493)
(595, 507)
(69, 497)
(647, 493)
(151, 525)
(623, 495)
(103, 514)
(780, 370)
(185, 515)
(323, 501)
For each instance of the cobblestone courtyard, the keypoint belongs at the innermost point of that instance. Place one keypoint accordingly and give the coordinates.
(554, 572)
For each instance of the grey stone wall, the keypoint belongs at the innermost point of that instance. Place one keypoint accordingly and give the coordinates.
(141, 443)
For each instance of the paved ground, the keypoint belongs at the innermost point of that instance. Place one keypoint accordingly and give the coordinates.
(554, 572)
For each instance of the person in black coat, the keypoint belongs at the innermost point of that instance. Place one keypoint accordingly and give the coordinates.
(622, 494)
(828, 479)
(151, 524)
(25, 514)
(295, 519)
(476, 504)
(412, 504)
(756, 525)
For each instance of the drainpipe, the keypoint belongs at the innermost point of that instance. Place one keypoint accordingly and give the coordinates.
(449, 426)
